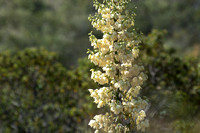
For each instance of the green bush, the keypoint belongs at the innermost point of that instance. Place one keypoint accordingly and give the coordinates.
(173, 86)
(37, 94)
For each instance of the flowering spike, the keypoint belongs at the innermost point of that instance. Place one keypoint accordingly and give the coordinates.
(122, 77)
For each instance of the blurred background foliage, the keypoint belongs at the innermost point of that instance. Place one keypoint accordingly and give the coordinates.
(46, 89)
(62, 26)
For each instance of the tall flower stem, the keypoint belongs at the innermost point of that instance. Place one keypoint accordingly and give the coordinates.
(120, 74)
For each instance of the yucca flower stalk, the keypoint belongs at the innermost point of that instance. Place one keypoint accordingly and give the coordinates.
(120, 74)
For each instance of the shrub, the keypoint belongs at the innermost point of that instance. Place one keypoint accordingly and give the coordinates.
(37, 94)
(173, 85)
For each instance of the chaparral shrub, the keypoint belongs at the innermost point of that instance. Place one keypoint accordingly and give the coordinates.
(173, 86)
(37, 94)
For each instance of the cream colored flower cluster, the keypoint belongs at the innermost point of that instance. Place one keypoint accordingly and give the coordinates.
(116, 54)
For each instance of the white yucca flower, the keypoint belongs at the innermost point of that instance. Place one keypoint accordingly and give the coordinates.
(122, 77)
